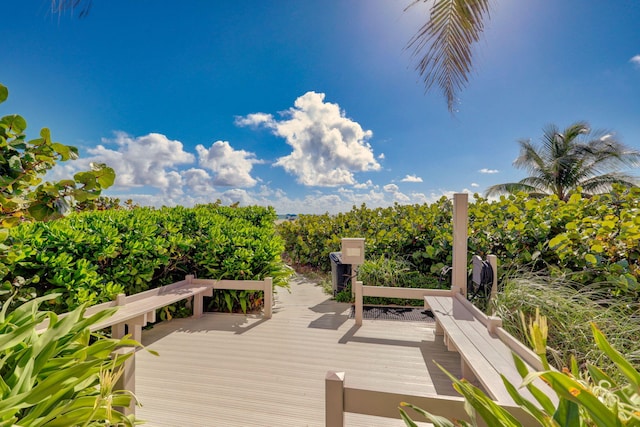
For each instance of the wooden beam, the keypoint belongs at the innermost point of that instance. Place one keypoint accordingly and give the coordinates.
(460, 232)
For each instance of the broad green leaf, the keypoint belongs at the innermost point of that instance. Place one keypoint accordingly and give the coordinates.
(15, 122)
(623, 364)
(591, 259)
(573, 391)
(62, 150)
(40, 211)
(4, 93)
(567, 414)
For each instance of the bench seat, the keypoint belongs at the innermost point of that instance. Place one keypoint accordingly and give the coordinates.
(483, 354)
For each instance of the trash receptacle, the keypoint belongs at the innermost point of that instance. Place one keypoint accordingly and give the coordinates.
(340, 273)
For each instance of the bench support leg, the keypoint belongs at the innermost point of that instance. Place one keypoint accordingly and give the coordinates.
(117, 331)
(466, 372)
(268, 297)
(439, 330)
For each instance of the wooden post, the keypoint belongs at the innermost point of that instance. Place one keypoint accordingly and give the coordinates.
(460, 231)
(334, 399)
(359, 302)
(268, 297)
(493, 261)
(118, 330)
(127, 380)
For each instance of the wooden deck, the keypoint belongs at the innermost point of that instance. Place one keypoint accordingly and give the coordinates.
(233, 370)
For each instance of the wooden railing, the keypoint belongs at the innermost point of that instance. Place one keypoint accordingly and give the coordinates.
(136, 310)
(361, 291)
(340, 399)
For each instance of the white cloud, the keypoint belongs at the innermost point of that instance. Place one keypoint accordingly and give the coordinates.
(381, 156)
(363, 185)
(149, 160)
(475, 185)
(198, 181)
(328, 147)
(635, 60)
(391, 188)
(232, 168)
(489, 171)
(411, 178)
(254, 120)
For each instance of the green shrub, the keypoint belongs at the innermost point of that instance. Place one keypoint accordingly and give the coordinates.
(595, 239)
(91, 257)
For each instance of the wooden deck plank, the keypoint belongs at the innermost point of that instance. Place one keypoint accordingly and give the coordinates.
(230, 370)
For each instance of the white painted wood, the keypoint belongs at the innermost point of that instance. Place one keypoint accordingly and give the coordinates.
(359, 302)
(460, 232)
(493, 261)
(268, 298)
(480, 342)
(334, 399)
(235, 370)
(127, 380)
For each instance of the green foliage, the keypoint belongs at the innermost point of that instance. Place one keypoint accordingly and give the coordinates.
(586, 398)
(23, 163)
(63, 376)
(593, 239)
(384, 271)
(569, 308)
(90, 257)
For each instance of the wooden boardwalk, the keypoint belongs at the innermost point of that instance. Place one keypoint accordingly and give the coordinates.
(233, 370)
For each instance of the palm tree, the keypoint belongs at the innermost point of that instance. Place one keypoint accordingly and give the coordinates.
(575, 157)
(443, 44)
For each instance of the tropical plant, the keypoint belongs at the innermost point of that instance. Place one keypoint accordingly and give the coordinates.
(62, 375)
(586, 398)
(23, 195)
(443, 44)
(571, 159)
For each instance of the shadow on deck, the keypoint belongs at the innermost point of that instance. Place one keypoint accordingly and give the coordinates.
(231, 370)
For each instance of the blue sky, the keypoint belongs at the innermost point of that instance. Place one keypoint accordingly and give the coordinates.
(310, 106)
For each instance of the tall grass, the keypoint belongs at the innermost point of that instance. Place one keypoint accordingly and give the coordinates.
(570, 308)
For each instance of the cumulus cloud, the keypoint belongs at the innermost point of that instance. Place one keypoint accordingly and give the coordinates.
(198, 181)
(232, 168)
(381, 156)
(475, 185)
(489, 171)
(363, 185)
(635, 60)
(255, 120)
(411, 178)
(397, 195)
(149, 160)
(391, 188)
(328, 148)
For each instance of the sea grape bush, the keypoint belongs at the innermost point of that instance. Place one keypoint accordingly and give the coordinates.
(90, 257)
(592, 239)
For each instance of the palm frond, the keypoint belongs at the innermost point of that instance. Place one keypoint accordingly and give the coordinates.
(603, 183)
(443, 45)
(81, 7)
(509, 188)
(571, 158)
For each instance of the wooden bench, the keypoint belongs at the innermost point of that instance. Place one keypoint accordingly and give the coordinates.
(485, 348)
(136, 311)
